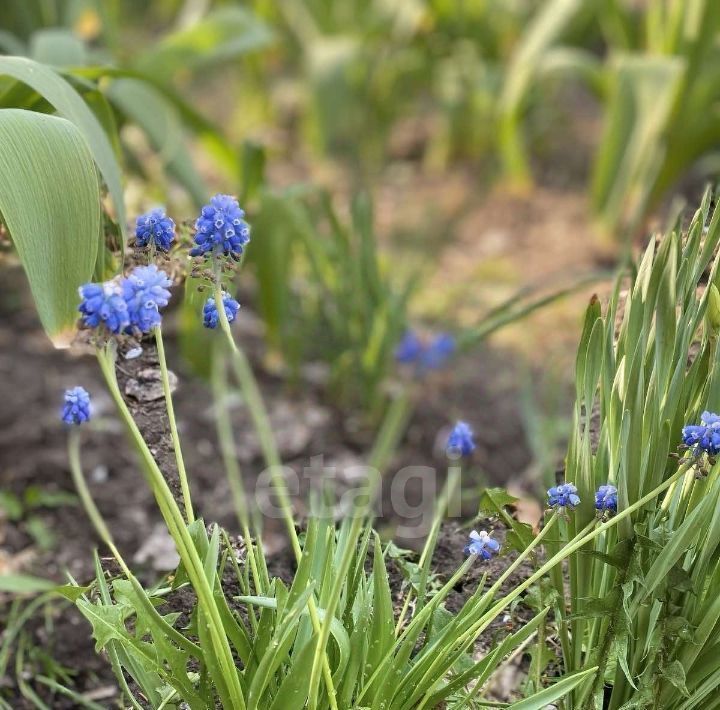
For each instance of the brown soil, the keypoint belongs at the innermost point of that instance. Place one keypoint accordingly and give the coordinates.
(481, 387)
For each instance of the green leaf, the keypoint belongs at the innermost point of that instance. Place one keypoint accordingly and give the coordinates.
(24, 584)
(108, 622)
(540, 700)
(68, 103)
(494, 500)
(675, 674)
(50, 202)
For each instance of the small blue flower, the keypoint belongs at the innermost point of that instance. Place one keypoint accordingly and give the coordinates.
(409, 348)
(437, 353)
(103, 305)
(481, 544)
(606, 498)
(563, 496)
(461, 440)
(705, 436)
(221, 228)
(76, 409)
(211, 317)
(155, 227)
(412, 350)
(145, 291)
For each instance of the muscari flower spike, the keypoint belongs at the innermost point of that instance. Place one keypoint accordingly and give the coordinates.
(563, 496)
(221, 228)
(412, 350)
(76, 408)
(606, 498)
(211, 317)
(461, 440)
(145, 291)
(104, 305)
(482, 545)
(155, 228)
(704, 436)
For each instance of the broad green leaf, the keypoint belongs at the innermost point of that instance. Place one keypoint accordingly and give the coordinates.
(50, 202)
(68, 103)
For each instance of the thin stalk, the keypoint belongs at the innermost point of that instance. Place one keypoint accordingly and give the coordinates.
(182, 474)
(175, 522)
(260, 418)
(233, 472)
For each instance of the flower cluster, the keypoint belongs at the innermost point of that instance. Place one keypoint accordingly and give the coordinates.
(221, 228)
(461, 441)
(425, 355)
(211, 317)
(606, 498)
(131, 303)
(563, 496)
(155, 228)
(482, 545)
(76, 408)
(703, 437)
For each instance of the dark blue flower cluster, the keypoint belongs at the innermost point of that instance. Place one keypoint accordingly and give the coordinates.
(704, 436)
(155, 228)
(211, 317)
(132, 303)
(221, 228)
(482, 545)
(563, 496)
(606, 498)
(461, 441)
(76, 408)
(424, 355)
(145, 291)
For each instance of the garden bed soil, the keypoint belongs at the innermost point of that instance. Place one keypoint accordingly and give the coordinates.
(50, 538)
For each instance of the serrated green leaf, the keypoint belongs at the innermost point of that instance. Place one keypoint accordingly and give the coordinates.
(675, 674)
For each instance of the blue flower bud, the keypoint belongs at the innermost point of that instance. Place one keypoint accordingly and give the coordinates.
(221, 228)
(145, 291)
(461, 440)
(155, 227)
(211, 317)
(563, 496)
(104, 305)
(76, 408)
(481, 544)
(606, 498)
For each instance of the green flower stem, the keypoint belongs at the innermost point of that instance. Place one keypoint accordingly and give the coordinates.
(234, 475)
(388, 436)
(579, 541)
(232, 695)
(430, 542)
(487, 596)
(104, 534)
(260, 418)
(182, 473)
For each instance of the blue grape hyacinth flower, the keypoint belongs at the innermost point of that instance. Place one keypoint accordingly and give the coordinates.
(563, 496)
(432, 355)
(76, 408)
(221, 228)
(145, 291)
(103, 305)
(155, 228)
(482, 545)
(606, 498)
(461, 440)
(437, 353)
(409, 348)
(211, 317)
(704, 436)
